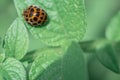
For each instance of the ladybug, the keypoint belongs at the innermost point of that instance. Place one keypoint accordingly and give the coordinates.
(35, 16)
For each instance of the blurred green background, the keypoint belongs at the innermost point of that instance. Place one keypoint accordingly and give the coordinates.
(99, 14)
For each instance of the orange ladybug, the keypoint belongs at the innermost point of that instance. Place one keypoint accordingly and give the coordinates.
(35, 16)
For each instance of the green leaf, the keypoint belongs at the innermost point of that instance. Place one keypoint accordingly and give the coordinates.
(107, 56)
(66, 20)
(45, 58)
(2, 57)
(12, 69)
(56, 65)
(16, 40)
(113, 30)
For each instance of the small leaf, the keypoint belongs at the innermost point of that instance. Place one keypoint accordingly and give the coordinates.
(107, 56)
(113, 30)
(56, 65)
(12, 69)
(66, 20)
(16, 40)
(45, 58)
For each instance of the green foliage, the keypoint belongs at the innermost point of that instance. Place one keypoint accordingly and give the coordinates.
(113, 34)
(66, 20)
(65, 24)
(45, 58)
(113, 30)
(11, 69)
(62, 58)
(107, 56)
(16, 40)
(53, 64)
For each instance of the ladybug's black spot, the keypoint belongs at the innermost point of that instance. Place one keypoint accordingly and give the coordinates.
(30, 7)
(32, 10)
(37, 14)
(42, 13)
(39, 21)
(31, 14)
(35, 18)
(38, 9)
(41, 18)
(31, 20)
(35, 7)
(26, 19)
(26, 15)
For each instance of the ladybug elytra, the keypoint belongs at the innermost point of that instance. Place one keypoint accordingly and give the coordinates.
(35, 16)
